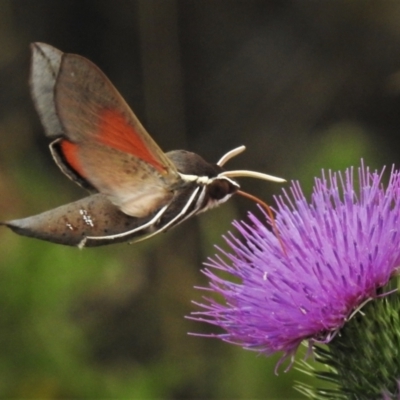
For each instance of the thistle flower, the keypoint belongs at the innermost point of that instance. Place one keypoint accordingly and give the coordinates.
(328, 258)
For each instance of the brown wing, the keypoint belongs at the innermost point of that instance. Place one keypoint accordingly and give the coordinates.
(45, 65)
(102, 140)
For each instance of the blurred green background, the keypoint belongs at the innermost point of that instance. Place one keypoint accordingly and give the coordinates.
(304, 85)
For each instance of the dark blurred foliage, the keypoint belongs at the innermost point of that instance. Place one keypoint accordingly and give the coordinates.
(304, 85)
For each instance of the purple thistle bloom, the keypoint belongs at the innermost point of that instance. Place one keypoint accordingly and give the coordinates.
(332, 256)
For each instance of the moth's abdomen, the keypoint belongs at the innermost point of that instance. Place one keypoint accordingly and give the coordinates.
(70, 224)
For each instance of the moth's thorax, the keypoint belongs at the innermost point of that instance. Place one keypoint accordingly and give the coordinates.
(216, 189)
(189, 163)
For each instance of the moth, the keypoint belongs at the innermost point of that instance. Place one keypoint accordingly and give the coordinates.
(137, 190)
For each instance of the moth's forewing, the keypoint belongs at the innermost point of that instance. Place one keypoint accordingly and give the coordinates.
(101, 143)
(45, 66)
(106, 144)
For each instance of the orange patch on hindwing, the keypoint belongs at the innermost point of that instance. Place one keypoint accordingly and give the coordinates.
(117, 133)
(70, 154)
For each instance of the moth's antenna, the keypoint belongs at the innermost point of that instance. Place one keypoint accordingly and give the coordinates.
(230, 154)
(251, 174)
(267, 208)
(243, 173)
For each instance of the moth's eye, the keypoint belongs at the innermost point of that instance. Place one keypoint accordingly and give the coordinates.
(220, 188)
